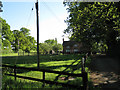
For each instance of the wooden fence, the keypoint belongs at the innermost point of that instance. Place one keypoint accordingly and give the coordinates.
(31, 54)
(83, 75)
(27, 54)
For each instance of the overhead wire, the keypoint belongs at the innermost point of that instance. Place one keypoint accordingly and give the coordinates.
(29, 18)
(51, 11)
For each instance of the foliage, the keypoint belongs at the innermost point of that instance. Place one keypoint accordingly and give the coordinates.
(32, 43)
(57, 47)
(26, 43)
(94, 22)
(49, 45)
(6, 43)
(7, 35)
(44, 48)
(16, 39)
(6, 32)
(51, 41)
(25, 31)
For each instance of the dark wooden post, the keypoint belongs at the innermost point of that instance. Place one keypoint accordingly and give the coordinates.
(37, 14)
(85, 76)
(43, 79)
(15, 71)
(85, 57)
(85, 80)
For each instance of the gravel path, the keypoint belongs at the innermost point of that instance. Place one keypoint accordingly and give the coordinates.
(105, 72)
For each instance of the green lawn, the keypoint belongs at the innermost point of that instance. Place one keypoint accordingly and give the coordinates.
(10, 54)
(67, 63)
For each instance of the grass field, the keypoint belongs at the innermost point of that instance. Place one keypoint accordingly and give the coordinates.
(67, 63)
(10, 54)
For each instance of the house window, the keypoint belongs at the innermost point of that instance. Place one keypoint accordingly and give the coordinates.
(67, 50)
(76, 50)
(68, 47)
(75, 45)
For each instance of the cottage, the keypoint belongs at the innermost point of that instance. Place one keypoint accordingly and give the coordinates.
(72, 47)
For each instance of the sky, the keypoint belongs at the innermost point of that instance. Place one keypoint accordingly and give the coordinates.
(19, 13)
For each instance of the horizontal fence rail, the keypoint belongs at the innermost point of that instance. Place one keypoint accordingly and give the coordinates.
(44, 70)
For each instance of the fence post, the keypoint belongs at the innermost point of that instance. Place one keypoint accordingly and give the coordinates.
(85, 80)
(83, 63)
(43, 79)
(85, 76)
(15, 71)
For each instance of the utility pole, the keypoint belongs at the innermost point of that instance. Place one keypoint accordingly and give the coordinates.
(37, 14)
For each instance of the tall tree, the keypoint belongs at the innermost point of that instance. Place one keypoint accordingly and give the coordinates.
(51, 41)
(32, 42)
(26, 42)
(57, 47)
(44, 48)
(16, 41)
(6, 32)
(49, 45)
(7, 35)
(25, 31)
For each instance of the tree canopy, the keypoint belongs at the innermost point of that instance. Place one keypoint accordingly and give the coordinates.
(94, 23)
(16, 38)
(25, 42)
(49, 45)
(7, 35)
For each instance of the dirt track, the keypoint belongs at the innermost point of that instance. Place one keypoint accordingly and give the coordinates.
(105, 72)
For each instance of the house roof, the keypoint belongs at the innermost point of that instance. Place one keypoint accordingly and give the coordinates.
(70, 43)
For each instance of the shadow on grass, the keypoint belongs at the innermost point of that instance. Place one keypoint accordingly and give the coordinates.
(103, 63)
(71, 67)
(108, 67)
(28, 60)
(110, 86)
(33, 59)
(107, 86)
